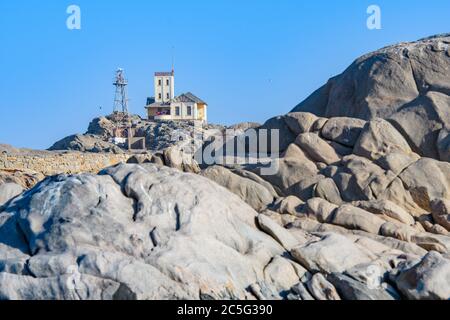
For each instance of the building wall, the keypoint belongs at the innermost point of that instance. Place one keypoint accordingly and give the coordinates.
(164, 89)
(183, 110)
(52, 163)
(198, 112)
(202, 112)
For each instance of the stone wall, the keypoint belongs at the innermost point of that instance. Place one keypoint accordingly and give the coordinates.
(52, 163)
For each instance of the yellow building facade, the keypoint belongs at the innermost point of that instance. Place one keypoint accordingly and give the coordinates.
(166, 106)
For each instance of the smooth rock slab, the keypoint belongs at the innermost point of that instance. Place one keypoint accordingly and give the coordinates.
(332, 253)
(158, 232)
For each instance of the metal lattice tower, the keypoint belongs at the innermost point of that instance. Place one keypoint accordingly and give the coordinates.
(121, 95)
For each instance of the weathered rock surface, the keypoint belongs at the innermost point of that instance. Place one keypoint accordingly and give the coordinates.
(9, 191)
(140, 227)
(332, 253)
(357, 208)
(343, 130)
(350, 289)
(85, 143)
(427, 280)
(379, 138)
(406, 82)
(426, 180)
(316, 148)
(321, 289)
(300, 122)
(253, 193)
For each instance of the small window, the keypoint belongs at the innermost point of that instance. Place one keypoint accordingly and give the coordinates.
(177, 111)
(167, 82)
(189, 111)
(160, 96)
(168, 96)
(159, 82)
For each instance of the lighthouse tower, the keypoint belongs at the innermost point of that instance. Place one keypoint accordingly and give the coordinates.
(164, 83)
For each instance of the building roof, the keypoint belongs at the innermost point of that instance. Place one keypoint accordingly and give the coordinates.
(185, 97)
(188, 97)
(159, 105)
(164, 74)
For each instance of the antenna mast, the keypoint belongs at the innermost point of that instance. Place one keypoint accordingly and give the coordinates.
(121, 95)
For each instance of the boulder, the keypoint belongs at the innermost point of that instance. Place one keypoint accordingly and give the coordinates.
(331, 253)
(388, 208)
(321, 289)
(343, 130)
(360, 179)
(175, 157)
(300, 122)
(103, 127)
(397, 161)
(427, 280)
(253, 193)
(281, 274)
(378, 139)
(277, 232)
(301, 292)
(316, 148)
(289, 205)
(254, 177)
(398, 231)
(427, 179)
(292, 168)
(440, 210)
(327, 190)
(350, 289)
(421, 121)
(321, 210)
(354, 218)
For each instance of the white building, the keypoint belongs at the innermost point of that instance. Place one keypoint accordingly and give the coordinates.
(166, 106)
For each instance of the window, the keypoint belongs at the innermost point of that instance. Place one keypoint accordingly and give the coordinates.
(177, 111)
(160, 96)
(189, 111)
(168, 96)
(159, 82)
(167, 82)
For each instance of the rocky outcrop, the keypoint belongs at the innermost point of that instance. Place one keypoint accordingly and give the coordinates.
(253, 193)
(142, 231)
(85, 143)
(354, 211)
(406, 84)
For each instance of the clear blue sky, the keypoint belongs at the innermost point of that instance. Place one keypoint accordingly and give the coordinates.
(249, 59)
